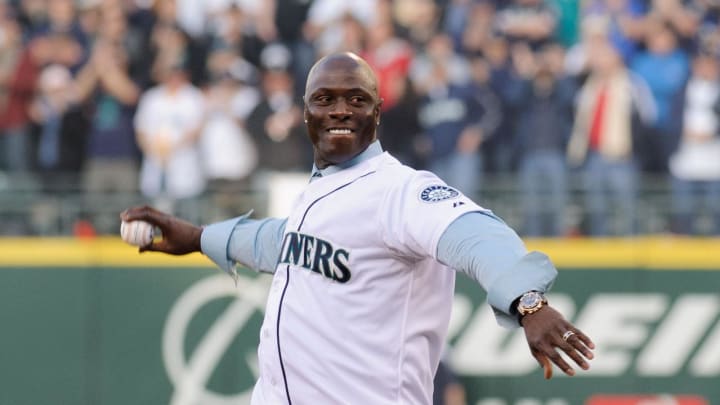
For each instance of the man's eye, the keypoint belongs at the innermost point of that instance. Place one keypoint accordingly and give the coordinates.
(322, 99)
(357, 99)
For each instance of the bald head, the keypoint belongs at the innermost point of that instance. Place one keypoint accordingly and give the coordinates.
(342, 108)
(346, 62)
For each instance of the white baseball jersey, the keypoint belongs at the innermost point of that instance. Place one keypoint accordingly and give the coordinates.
(359, 307)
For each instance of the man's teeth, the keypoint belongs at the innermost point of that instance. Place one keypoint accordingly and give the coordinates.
(340, 131)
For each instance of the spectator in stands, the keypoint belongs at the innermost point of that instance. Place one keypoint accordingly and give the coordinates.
(228, 153)
(276, 124)
(323, 13)
(167, 123)
(110, 94)
(456, 19)
(347, 34)
(567, 14)
(289, 19)
(530, 21)
(449, 116)
(115, 26)
(165, 12)
(439, 48)
(603, 139)
(57, 47)
(708, 33)
(390, 58)
(681, 16)
(62, 20)
(499, 149)
(277, 127)
(695, 165)
(418, 20)
(233, 28)
(23, 70)
(170, 47)
(31, 14)
(477, 29)
(664, 67)
(61, 17)
(166, 41)
(594, 31)
(490, 102)
(400, 126)
(18, 72)
(625, 20)
(89, 17)
(544, 100)
(60, 128)
(104, 83)
(338, 25)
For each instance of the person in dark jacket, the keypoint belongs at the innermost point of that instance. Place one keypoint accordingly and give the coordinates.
(543, 100)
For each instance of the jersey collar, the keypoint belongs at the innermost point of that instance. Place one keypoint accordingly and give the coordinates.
(374, 149)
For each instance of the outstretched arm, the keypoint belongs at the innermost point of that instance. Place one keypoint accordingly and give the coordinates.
(253, 243)
(496, 257)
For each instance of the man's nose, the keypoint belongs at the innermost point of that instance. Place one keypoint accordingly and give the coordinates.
(340, 109)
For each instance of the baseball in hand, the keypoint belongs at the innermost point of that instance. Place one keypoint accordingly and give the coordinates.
(138, 233)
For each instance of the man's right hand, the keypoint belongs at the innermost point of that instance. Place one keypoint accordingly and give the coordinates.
(179, 237)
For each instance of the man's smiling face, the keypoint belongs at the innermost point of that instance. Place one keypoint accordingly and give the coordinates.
(342, 108)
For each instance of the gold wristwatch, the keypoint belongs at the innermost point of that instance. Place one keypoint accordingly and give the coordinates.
(531, 302)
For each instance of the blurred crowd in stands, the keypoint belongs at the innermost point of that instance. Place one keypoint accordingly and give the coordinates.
(172, 98)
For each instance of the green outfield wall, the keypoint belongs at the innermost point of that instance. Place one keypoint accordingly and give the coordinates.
(91, 322)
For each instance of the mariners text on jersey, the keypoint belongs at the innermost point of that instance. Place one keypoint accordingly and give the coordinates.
(317, 255)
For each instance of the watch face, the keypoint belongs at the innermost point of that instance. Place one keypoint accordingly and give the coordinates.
(530, 300)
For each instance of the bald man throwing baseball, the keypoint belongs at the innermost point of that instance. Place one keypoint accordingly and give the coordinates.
(362, 268)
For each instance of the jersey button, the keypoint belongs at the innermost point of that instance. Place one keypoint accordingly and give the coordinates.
(266, 333)
(273, 382)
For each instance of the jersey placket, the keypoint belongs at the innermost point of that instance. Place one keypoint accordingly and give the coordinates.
(271, 368)
(271, 340)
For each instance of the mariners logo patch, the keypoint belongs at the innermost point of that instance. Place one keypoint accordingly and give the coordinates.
(437, 193)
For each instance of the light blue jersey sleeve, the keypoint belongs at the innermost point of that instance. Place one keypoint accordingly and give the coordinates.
(253, 243)
(482, 246)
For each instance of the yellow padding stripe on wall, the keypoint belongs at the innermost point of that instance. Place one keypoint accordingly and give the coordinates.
(643, 252)
(655, 253)
(103, 251)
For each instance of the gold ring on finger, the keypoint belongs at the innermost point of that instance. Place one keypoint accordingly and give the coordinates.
(567, 335)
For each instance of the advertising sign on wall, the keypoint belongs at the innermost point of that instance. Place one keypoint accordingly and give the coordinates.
(97, 332)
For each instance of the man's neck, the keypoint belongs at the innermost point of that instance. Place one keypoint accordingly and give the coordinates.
(374, 149)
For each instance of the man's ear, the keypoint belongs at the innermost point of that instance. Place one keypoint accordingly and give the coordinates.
(377, 111)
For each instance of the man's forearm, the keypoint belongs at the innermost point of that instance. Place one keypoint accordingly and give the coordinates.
(253, 243)
(482, 246)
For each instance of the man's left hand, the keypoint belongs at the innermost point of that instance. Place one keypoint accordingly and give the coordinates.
(547, 330)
